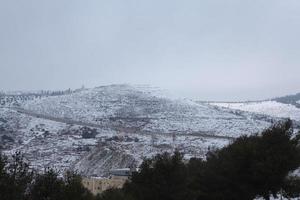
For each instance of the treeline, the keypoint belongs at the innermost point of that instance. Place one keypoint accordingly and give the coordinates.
(16, 99)
(250, 167)
(38, 93)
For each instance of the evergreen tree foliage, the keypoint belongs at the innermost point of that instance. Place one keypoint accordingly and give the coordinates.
(251, 166)
(15, 177)
(291, 188)
(4, 187)
(47, 186)
(73, 188)
(114, 194)
(164, 177)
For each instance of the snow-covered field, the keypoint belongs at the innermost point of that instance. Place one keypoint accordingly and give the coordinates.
(271, 108)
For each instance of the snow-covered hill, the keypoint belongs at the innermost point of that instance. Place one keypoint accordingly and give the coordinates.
(94, 130)
(130, 109)
(282, 107)
(272, 108)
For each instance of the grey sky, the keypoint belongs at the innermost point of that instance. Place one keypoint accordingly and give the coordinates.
(207, 49)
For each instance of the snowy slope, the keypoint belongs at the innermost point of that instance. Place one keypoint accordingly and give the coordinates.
(45, 143)
(271, 108)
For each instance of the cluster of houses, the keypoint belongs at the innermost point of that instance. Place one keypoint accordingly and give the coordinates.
(117, 179)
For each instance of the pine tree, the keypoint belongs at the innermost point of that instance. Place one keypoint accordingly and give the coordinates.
(250, 166)
(47, 186)
(74, 189)
(19, 178)
(163, 178)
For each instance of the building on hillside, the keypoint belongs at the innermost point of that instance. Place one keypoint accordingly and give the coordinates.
(97, 185)
(117, 179)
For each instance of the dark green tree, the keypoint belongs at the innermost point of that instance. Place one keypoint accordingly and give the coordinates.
(73, 189)
(18, 178)
(47, 186)
(113, 194)
(291, 188)
(249, 167)
(164, 177)
(4, 189)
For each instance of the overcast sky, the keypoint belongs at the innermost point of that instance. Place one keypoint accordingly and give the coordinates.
(205, 49)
